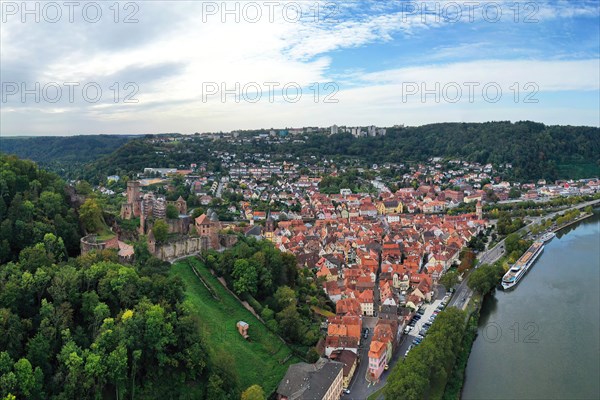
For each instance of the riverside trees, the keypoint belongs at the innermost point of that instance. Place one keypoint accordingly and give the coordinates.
(430, 363)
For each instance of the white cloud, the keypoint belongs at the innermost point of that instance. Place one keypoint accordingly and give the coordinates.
(279, 51)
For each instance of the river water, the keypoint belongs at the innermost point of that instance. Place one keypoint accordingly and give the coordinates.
(541, 340)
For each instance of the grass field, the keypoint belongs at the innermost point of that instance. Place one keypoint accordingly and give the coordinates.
(257, 361)
(105, 234)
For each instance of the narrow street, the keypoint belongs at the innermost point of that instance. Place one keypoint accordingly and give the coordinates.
(359, 387)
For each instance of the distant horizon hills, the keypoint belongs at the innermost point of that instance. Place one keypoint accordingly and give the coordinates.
(534, 150)
(27, 136)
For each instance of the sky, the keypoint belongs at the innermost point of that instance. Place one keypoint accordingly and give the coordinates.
(136, 67)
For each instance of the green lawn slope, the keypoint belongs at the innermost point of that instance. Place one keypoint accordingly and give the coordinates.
(257, 361)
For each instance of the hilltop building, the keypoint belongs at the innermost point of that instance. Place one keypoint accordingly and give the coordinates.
(208, 227)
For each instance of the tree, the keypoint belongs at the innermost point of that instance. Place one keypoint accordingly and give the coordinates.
(514, 193)
(312, 356)
(83, 188)
(254, 392)
(484, 278)
(285, 296)
(89, 327)
(245, 277)
(38, 352)
(214, 390)
(172, 212)
(197, 212)
(90, 215)
(55, 247)
(117, 367)
(449, 279)
(52, 203)
(161, 230)
(290, 323)
(25, 377)
(429, 362)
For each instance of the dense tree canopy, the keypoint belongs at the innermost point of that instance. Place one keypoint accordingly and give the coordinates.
(89, 327)
(33, 203)
(64, 155)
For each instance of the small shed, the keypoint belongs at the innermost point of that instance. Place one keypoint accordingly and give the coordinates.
(243, 328)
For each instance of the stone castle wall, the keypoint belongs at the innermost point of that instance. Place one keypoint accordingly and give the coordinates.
(189, 246)
(180, 248)
(91, 242)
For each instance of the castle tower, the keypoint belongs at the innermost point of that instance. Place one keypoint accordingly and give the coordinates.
(159, 209)
(148, 204)
(133, 197)
(479, 210)
(181, 205)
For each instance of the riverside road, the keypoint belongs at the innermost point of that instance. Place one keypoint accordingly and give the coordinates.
(463, 294)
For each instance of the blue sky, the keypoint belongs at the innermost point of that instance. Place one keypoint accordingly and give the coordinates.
(167, 69)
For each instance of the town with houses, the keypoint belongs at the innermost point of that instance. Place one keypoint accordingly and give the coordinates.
(378, 254)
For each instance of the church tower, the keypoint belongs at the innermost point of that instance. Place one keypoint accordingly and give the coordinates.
(479, 210)
(269, 228)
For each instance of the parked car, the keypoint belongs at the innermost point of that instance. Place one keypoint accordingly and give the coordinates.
(347, 391)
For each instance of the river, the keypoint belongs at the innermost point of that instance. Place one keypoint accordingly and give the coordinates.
(541, 340)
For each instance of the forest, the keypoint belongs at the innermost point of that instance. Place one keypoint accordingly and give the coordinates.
(64, 155)
(33, 203)
(86, 326)
(534, 150)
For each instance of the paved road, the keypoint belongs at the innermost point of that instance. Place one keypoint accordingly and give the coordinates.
(360, 389)
(358, 385)
(463, 294)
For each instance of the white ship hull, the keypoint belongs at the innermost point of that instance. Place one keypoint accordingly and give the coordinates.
(509, 281)
(548, 237)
